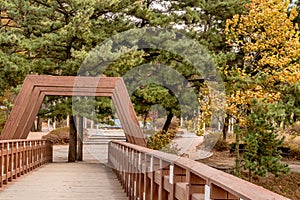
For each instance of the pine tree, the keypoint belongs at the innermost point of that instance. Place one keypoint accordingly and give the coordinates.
(206, 22)
(261, 144)
(268, 41)
(54, 37)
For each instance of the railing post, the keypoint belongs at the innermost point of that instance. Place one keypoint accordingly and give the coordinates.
(26, 154)
(124, 168)
(1, 163)
(127, 176)
(217, 192)
(207, 192)
(29, 156)
(164, 170)
(9, 149)
(177, 178)
(18, 158)
(131, 174)
(21, 156)
(139, 171)
(154, 174)
(14, 160)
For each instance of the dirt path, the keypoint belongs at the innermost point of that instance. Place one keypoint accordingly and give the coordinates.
(36, 135)
(294, 165)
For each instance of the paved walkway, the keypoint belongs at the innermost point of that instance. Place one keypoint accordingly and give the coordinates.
(294, 165)
(87, 180)
(188, 144)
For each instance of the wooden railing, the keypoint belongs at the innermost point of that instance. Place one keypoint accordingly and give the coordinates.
(149, 174)
(17, 157)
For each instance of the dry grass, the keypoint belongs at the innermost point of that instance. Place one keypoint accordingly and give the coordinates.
(292, 141)
(288, 185)
(58, 136)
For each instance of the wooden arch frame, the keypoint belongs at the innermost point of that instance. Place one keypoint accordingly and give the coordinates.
(36, 87)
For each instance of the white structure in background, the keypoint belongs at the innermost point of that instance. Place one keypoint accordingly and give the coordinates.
(68, 120)
(219, 126)
(50, 128)
(231, 125)
(92, 124)
(204, 125)
(84, 122)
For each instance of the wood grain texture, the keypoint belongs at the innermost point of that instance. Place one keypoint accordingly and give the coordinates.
(16, 113)
(178, 177)
(36, 87)
(19, 157)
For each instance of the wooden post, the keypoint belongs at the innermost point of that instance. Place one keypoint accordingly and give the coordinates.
(80, 138)
(72, 141)
(36, 87)
(39, 124)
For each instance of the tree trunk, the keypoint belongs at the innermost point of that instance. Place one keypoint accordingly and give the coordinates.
(72, 141)
(237, 158)
(39, 124)
(225, 128)
(80, 138)
(145, 121)
(168, 121)
(33, 127)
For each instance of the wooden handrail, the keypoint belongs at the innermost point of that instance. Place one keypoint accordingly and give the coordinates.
(17, 157)
(149, 174)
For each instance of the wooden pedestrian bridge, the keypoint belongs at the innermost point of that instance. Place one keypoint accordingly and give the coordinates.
(141, 173)
(35, 169)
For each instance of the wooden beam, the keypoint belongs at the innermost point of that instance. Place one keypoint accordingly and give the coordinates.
(17, 111)
(27, 118)
(36, 87)
(34, 111)
(73, 81)
(126, 114)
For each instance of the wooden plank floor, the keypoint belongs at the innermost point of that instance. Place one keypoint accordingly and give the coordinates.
(87, 180)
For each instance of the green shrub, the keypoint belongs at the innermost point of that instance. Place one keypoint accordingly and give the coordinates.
(188, 124)
(161, 139)
(3, 118)
(173, 128)
(158, 140)
(171, 148)
(58, 136)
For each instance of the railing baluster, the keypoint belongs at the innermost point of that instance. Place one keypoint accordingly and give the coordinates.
(20, 156)
(1, 163)
(149, 175)
(207, 192)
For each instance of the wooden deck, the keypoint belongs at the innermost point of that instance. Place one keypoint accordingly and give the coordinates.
(90, 179)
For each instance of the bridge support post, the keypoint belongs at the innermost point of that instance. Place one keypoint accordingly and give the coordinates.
(72, 141)
(80, 138)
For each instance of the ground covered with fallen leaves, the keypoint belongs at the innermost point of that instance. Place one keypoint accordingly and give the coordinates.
(288, 185)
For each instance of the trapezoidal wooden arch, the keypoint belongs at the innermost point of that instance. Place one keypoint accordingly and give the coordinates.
(36, 87)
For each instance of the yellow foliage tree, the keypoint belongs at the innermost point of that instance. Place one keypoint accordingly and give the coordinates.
(268, 41)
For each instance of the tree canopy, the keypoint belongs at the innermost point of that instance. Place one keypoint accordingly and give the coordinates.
(254, 45)
(268, 41)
